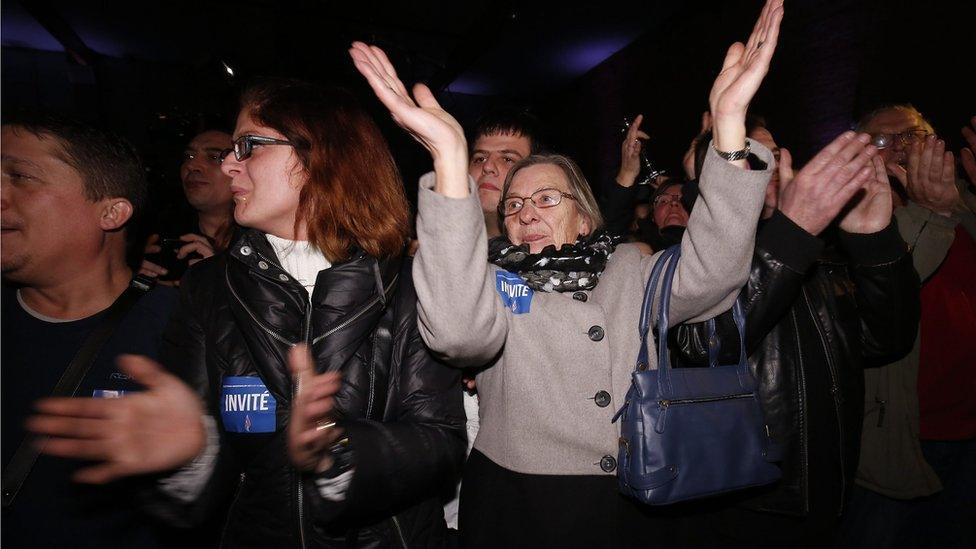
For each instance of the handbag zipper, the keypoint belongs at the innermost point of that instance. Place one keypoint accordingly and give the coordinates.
(664, 404)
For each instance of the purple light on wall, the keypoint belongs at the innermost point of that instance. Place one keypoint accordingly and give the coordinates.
(580, 58)
(20, 30)
(471, 85)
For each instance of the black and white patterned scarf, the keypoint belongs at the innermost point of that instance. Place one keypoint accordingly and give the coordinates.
(572, 267)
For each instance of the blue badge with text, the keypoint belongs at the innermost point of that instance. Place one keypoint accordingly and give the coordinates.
(246, 406)
(515, 293)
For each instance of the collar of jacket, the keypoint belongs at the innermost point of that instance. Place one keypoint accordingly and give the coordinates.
(345, 304)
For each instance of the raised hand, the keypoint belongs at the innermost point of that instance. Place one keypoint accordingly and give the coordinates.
(821, 189)
(871, 211)
(311, 429)
(420, 115)
(930, 178)
(968, 153)
(148, 432)
(743, 71)
(630, 149)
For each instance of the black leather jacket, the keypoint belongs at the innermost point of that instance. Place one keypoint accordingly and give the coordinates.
(240, 314)
(808, 310)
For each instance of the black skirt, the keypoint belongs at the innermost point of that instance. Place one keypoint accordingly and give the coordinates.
(501, 508)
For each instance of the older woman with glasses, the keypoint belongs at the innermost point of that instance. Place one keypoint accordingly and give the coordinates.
(326, 421)
(553, 308)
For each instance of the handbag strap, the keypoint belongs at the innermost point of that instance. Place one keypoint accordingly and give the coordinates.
(643, 326)
(715, 343)
(22, 462)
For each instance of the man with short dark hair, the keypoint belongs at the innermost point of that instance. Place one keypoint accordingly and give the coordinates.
(68, 196)
(207, 224)
(500, 138)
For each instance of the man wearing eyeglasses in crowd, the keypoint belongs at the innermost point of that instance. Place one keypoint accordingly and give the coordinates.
(185, 237)
(919, 433)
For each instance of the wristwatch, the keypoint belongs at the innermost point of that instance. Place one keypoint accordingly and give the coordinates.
(734, 155)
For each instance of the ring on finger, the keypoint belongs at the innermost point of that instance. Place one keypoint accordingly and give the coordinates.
(322, 425)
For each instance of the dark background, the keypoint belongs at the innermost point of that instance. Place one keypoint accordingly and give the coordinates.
(156, 72)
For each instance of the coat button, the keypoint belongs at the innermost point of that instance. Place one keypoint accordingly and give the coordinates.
(245, 250)
(283, 277)
(580, 296)
(263, 265)
(596, 333)
(641, 366)
(602, 399)
(608, 464)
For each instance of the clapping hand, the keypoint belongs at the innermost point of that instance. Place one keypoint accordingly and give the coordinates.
(871, 210)
(930, 179)
(147, 432)
(311, 429)
(824, 186)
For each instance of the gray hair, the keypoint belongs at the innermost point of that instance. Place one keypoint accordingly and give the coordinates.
(579, 187)
(865, 120)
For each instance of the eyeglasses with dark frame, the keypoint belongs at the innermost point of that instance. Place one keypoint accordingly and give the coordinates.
(541, 199)
(244, 146)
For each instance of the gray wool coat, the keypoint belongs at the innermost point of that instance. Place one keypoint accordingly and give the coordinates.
(561, 363)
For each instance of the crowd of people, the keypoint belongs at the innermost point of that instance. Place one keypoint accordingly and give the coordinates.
(281, 365)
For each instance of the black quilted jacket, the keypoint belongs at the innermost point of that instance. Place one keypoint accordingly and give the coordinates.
(807, 311)
(240, 313)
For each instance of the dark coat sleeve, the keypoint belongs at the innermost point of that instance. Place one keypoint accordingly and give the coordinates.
(783, 255)
(618, 207)
(415, 452)
(887, 293)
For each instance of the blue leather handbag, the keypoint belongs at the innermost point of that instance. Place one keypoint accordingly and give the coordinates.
(688, 433)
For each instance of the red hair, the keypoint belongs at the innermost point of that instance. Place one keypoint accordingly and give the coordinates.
(354, 195)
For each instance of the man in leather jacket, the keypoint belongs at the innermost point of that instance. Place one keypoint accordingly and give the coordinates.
(816, 315)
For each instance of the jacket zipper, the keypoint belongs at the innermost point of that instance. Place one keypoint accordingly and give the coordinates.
(298, 476)
(671, 402)
(237, 495)
(834, 392)
(801, 408)
(358, 313)
(257, 321)
(396, 525)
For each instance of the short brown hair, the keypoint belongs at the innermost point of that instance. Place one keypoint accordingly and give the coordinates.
(579, 187)
(354, 195)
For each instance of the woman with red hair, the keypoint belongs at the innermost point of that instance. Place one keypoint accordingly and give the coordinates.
(320, 402)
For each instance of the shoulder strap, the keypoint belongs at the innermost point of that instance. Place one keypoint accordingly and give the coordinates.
(20, 465)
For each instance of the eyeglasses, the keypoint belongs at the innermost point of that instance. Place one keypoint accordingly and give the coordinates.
(666, 200)
(541, 199)
(244, 146)
(885, 140)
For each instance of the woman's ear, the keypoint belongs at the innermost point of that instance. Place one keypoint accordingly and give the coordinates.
(585, 226)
